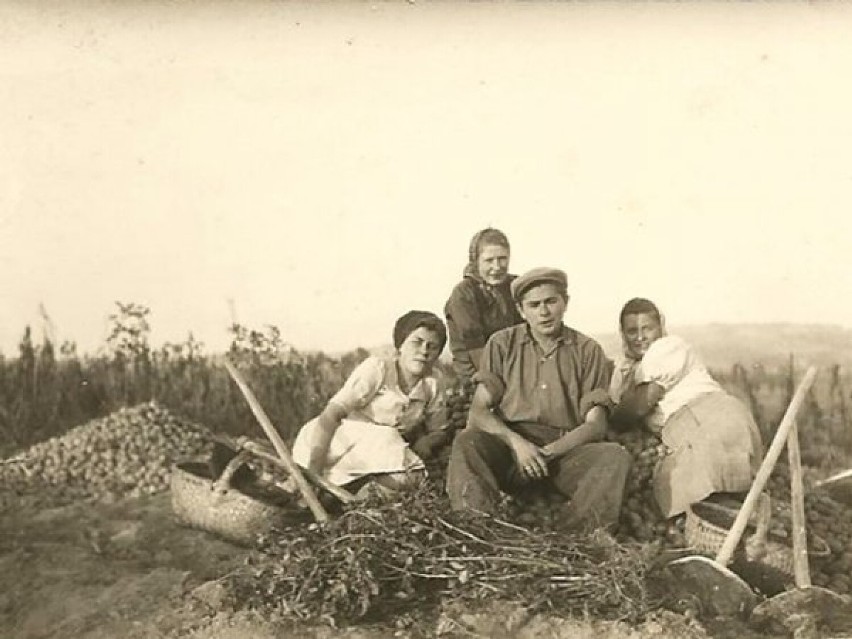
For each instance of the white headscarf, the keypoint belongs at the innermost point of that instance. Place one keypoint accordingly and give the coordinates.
(626, 373)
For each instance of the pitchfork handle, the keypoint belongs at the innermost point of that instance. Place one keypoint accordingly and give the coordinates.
(801, 569)
(726, 552)
(280, 447)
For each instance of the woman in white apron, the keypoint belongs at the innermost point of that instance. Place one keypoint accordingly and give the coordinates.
(389, 415)
(712, 442)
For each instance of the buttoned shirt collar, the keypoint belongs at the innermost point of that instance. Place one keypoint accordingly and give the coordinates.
(565, 337)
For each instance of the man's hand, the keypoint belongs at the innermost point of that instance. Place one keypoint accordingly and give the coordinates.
(531, 461)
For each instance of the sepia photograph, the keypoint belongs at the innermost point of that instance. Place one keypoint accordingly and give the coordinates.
(409, 319)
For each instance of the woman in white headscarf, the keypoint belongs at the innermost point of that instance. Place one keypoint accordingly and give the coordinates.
(481, 304)
(646, 325)
(712, 442)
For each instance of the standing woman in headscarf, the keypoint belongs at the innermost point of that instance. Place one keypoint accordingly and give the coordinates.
(481, 304)
(388, 417)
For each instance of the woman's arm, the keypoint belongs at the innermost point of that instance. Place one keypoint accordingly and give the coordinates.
(474, 356)
(327, 424)
(666, 363)
(636, 403)
(465, 329)
(433, 433)
(358, 390)
(591, 430)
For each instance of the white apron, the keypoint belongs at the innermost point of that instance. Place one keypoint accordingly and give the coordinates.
(358, 449)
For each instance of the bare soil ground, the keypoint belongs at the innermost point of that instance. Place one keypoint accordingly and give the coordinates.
(128, 569)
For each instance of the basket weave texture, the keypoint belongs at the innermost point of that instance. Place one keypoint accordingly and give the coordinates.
(707, 537)
(218, 507)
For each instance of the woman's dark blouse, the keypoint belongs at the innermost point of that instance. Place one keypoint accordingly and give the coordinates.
(473, 315)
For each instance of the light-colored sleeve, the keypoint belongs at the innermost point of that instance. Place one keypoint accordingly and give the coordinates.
(667, 362)
(361, 386)
(436, 409)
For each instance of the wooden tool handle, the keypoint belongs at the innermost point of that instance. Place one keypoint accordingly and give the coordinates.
(341, 493)
(307, 491)
(801, 570)
(778, 442)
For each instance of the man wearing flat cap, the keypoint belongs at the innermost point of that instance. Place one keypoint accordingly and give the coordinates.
(539, 414)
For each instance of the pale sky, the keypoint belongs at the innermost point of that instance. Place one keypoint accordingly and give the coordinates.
(325, 164)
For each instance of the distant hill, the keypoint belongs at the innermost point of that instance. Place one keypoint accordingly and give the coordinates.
(723, 345)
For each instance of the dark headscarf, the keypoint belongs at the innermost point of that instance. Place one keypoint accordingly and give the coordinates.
(486, 237)
(413, 320)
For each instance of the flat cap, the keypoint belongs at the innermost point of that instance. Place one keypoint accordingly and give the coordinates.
(539, 275)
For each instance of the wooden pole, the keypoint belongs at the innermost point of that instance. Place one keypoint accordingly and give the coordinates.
(280, 447)
(341, 493)
(778, 442)
(801, 570)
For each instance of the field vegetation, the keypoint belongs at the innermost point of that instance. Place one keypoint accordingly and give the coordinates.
(48, 388)
(80, 433)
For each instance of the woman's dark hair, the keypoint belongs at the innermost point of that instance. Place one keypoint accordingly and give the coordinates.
(639, 305)
(413, 320)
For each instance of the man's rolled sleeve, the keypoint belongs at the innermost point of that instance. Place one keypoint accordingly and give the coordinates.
(490, 373)
(597, 397)
(597, 373)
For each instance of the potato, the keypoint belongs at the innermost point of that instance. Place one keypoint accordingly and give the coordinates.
(133, 448)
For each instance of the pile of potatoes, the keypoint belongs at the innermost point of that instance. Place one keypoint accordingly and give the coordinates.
(641, 519)
(128, 453)
(826, 520)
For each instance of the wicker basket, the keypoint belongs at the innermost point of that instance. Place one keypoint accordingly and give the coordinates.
(707, 536)
(218, 507)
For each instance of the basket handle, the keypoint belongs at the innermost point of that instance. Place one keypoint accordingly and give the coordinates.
(223, 483)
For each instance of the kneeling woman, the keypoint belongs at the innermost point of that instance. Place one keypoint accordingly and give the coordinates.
(712, 442)
(388, 416)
